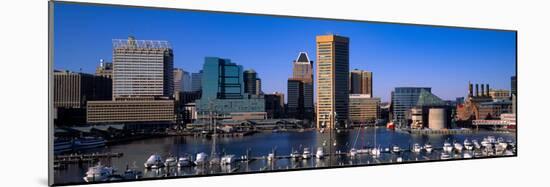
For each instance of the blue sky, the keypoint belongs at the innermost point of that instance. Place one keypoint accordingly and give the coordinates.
(398, 55)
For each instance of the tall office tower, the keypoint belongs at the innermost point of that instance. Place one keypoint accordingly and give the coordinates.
(403, 99)
(142, 69)
(259, 86)
(223, 92)
(105, 69)
(196, 81)
(332, 71)
(250, 85)
(360, 82)
(274, 105)
(300, 88)
(182, 81)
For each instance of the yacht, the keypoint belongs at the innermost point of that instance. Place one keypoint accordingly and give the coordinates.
(468, 145)
(476, 144)
(502, 144)
(130, 174)
(458, 147)
(445, 155)
(320, 153)
(352, 152)
(201, 158)
(395, 149)
(271, 157)
(416, 148)
(485, 143)
(428, 147)
(228, 159)
(184, 161)
(89, 142)
(295, 155)
(491, 139)
(467, 154)
(447, 147)
(306, 154)
(98, 173)
(154, 162)
(171, 161)
(375, 152)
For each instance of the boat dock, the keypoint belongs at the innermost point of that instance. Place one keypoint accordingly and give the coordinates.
(83, 158)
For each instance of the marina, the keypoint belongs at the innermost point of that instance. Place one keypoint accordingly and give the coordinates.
(195, 155)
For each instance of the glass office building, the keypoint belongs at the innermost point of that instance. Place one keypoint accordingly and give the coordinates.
(403, 99)
(223, 90)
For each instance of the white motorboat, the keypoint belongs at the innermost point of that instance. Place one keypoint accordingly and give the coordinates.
(476, 144)
(399, 159)
(485, 143)
(416, 148)
(271, 157)
(468, 145)
(352, 152)
(201, 159)
(458, 147)
(154, 162)
(375, 152)
(295, 155)
(395, 149)
(467, 154)
(228, 159)
(171, 161)
(320, 153)
(445, 155)
(184, 161)
(306, 154)
(98, 173)
(491, 139)
(502, 144)
(447, 147)
(429, 148)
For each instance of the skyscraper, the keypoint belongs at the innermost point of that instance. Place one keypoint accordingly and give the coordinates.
(300, 88)
(180, 77)
(196, 81)
(360, 82)
(332, 80)
(139, 68)
(250, 82)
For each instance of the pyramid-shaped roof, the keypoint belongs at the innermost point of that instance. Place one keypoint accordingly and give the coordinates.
(302, 57)
(428, 99)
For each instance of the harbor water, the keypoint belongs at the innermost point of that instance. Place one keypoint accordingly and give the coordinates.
(259, 145)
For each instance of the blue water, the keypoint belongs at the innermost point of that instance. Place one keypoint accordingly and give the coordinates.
(260, 144)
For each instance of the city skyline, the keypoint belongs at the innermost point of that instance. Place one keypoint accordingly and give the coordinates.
(425, 57)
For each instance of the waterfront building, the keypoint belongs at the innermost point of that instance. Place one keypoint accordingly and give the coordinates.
(223, 90)
(470, 109)
(332, 77)
(493, 109)
(196, 81)
(73, 90)
(363, 108)
(275, 105)
(499, 94)
(182, 81)
(430, 111)
(182, 100)
(142, 68)
(250, 82)
(300, 88)
(105, 69)
(403, 99)
(149, 113)
(71, 93)
(360, 82)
